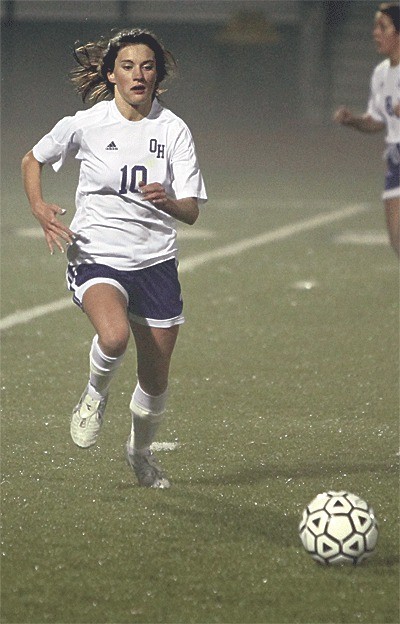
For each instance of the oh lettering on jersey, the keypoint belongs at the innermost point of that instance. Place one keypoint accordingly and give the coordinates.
(157, 148)
(138, 173)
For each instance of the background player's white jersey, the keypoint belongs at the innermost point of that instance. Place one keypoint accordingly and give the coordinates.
(385, 94)
(115, 226)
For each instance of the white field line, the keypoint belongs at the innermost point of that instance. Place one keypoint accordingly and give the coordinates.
(191, 263)
(281, 233)
(24, 316)
(363, 238)
(164, 446)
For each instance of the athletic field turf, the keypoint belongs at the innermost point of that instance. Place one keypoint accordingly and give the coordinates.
(284, 384)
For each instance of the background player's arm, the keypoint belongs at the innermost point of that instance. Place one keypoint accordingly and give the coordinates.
(185, 210)
(363, 123)
(45, 213)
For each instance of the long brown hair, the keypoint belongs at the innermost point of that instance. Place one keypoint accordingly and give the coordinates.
(392, 10)
(96, 59)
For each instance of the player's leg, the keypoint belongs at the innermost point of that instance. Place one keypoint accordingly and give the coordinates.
(106, 307)
(154, 347)
(392, 209)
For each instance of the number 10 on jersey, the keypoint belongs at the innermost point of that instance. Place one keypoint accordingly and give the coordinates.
(138, 173)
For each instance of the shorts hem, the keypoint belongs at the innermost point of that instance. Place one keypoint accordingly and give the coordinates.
(163, 323)
(79, 291)
(390, 193)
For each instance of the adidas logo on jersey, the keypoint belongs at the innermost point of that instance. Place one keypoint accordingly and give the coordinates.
(111, 146)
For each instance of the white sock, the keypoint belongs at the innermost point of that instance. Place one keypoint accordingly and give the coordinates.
(102, 368)
(147, 414)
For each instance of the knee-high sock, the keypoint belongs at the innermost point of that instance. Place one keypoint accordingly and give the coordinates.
(147, 414)
(102, 368)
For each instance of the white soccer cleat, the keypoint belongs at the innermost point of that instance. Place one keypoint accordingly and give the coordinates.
(146, 468)
(87, 419)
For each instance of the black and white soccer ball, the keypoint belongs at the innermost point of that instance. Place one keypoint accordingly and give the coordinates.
(338, 527)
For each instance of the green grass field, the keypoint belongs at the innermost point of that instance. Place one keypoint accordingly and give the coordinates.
(284, 384)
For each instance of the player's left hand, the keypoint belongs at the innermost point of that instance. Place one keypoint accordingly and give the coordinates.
(154, 193)
(185, 209)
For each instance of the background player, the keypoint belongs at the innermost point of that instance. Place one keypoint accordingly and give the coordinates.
(384, 110)
(138, 174)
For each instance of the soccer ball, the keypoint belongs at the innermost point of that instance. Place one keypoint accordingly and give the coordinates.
(338, 527)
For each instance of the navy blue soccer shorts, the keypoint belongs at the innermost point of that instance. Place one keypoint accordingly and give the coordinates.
(392, 177)
(153, 295)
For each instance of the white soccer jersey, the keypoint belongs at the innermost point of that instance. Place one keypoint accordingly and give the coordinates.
(385, 94)
(114, 225)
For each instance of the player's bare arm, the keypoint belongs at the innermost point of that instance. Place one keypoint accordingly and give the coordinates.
(185, 210)
(45, 213)
(363, 123)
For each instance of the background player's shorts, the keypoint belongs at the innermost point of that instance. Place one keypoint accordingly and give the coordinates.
(392, 177)
(153, 295)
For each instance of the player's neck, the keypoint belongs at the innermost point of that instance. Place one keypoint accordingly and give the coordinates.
(394, 55)
(132, 112)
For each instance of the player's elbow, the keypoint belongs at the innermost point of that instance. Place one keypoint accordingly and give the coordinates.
(192, 212)
(193, 217)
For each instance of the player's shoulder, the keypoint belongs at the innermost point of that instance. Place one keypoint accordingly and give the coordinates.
(81, 121)
(381, 69)
(92, 116)
(96, 115)
(166, 116)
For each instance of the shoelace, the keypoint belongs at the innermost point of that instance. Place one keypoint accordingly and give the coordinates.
(93, 406)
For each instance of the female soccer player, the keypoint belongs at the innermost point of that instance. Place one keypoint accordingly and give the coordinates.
(384, 110)
(138, 174)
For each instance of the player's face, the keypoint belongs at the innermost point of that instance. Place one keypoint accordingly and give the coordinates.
(134, 76)
(385, 36)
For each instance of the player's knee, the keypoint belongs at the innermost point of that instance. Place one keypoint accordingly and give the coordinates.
(114, 340)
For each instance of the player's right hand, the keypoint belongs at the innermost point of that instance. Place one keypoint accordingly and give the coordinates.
(55, 231)
(343, 115)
